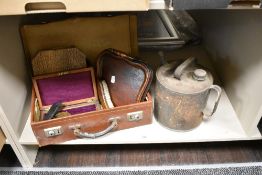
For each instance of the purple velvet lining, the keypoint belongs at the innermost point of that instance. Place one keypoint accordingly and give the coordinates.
(66, 88)
(81, 109)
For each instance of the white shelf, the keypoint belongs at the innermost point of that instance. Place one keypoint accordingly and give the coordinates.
(22, 7)
(224, 126)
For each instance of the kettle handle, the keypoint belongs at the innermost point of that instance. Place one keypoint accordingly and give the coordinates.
(180, 69)
(218, 91)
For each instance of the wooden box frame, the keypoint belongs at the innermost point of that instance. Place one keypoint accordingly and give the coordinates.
(88, 100)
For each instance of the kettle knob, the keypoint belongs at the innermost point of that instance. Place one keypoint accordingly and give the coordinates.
(199, 74)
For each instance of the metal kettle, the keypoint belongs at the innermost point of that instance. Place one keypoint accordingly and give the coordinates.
(182, 91)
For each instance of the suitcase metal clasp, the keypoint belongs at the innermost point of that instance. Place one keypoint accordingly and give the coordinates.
(54, 131)
(135, 116)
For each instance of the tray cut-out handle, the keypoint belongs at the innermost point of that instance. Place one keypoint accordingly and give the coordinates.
(38, 7)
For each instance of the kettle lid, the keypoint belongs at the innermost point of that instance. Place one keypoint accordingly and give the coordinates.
(185, 78)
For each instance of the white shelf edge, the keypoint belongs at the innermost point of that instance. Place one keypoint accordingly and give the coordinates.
(17, 7)
(224, 126)
(157, 4)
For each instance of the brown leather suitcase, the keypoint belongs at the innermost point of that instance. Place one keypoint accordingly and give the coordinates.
(91, 124)
(88, 124)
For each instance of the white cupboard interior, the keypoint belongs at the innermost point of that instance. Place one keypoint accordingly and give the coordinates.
(230, 47)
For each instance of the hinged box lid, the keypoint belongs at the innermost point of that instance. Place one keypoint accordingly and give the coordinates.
(91, 35)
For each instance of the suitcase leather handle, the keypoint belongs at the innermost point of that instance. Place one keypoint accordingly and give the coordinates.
(80, 134)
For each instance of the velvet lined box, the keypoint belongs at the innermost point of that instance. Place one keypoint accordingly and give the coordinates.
(75, 89)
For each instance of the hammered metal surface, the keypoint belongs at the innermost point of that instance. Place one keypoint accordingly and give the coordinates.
(179, 111)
